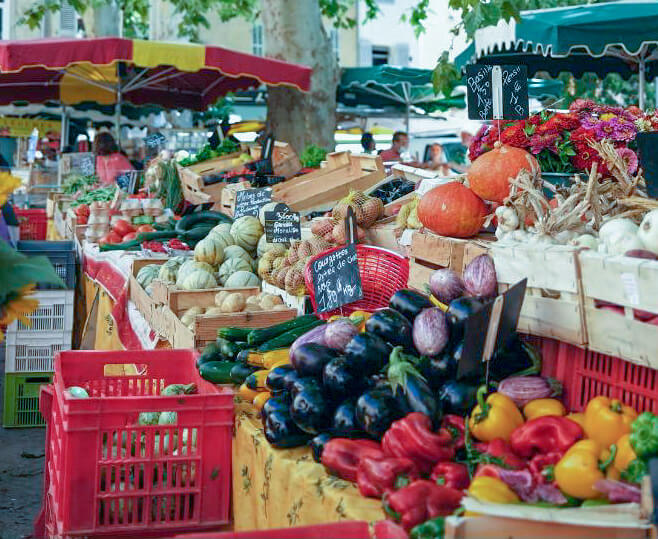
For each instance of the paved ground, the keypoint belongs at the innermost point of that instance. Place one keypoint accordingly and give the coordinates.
(21, 475)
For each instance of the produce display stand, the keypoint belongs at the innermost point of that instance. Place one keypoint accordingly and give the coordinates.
(195, 191)
(324, 187)
(632, 284)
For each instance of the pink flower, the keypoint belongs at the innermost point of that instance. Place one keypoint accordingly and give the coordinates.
(541, 142)
(629, 158)
(582, 105)
(615, 129)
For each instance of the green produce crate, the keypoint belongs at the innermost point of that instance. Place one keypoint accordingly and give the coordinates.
(21, 408)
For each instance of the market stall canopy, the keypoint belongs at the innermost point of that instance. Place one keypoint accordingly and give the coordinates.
(111, 70)
(614, 37)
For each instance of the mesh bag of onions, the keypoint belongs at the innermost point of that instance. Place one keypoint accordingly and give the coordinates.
(366, 209)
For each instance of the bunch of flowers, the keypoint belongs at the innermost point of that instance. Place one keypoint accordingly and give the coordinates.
(560, 140)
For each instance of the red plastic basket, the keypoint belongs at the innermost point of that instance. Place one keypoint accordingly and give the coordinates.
(382, 272)
(33, 223)
(337, 530)
(107, 475)
(586, 374)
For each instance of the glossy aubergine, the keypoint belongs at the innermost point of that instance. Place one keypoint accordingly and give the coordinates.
(344, 424)
(276, 404)
(303, 384)
(311, 410)
(392, 327)
(281, 431)
(276, 379)
(339, 381)
(438, 370)
(458, 312)
(517, 358)
(458, 397)
(367, 353)
(375, 411)
(317, 445)
(409, 303)
(310, 359)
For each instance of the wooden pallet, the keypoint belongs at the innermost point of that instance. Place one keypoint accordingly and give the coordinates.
(229, 194)
(631, 283)
(429, 252)
(553, 304)
(322, 188)
(191, 178)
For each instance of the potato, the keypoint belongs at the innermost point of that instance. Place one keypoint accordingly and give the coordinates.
(234, 303)
(268, 303)
(280, 308)
(253, 300)
(220, 297)
(253, 307)
(214, 311)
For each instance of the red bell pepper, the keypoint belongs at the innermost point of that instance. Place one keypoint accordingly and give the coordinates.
(420, 501)
(451, 474)
(412, 437)
(455, 425)
(378, 476)
(541, 467)
(487, 470)
(341, 456)
(546, 434)
(498, 451)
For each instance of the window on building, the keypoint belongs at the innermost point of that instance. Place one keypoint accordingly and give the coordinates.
(380, 55)
(257, 43)
(68, 20)
(335, 42)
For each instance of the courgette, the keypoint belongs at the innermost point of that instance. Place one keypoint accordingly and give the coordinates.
(131, 245)
(211, 352)
(189, 221)
(289, 337)
(234, 334)
(195, 234)
(156, 235)
(217, 372)
(240, 372)
(256, 380)
(258, 336)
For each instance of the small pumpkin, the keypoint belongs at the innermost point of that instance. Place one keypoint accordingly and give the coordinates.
(452, 210)
(231, 266)
(241, 279)
(246, 232)
(197, 280)
(210, 251)
(489, 175)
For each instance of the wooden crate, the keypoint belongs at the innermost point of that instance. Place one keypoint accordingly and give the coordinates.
(322, 188)
(631, 283)
(229, 194)
(169, 326)
(553, 304)
(302, 304)
(191, 178)
(145, 304)
(284, 159)
(429, 252)
(384, 234)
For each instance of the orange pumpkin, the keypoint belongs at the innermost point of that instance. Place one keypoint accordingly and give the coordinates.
(490, 174)
(452, 210)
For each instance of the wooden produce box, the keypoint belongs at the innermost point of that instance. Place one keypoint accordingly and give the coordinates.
(191, 178)
(322, 188)
(302, 304)
(72, 229)
(145, 304)
(229, 193)
(631, 283)
(553, 304)
(169, 326)
(284, 159)
(429, 252)
(385, 235)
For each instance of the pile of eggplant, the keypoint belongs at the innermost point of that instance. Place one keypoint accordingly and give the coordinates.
(392, 190)
(352, 380)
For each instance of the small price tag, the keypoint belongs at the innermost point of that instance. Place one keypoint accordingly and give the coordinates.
(154, 140)
(249, 201)
(336, 279)
(282, 225)
(631, 289)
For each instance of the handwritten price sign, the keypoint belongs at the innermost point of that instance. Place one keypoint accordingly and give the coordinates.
(336, 279)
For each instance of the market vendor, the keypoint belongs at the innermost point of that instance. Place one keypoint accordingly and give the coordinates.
(399, 144)
(437, 160)
(110, 162)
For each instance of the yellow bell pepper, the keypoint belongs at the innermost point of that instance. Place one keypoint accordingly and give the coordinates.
(625, 453)
(543, 407)
(607, 420)
(490, 489)
(581, 467)
(578, 417)
(494, 418)
(362, 317)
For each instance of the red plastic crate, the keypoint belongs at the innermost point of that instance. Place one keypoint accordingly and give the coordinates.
(382, 272)
(586, 374)
(33, 223)
(107, 475)
(337, 530)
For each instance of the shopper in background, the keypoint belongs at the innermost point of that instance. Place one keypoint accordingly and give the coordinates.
(110, 162)
(437, 160)
(368, 142)
(399, 144)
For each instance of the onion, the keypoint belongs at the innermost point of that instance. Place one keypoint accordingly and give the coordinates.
(446, 285)
(523, 389)
(480, 277)
(641, 253)
(430, 331)
(339, 333)
(315, 335)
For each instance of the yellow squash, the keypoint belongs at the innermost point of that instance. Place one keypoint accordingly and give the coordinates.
(607, 420)
(494, 418)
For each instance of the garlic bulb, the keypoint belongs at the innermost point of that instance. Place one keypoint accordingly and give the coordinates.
(507, 218)
(648, 231)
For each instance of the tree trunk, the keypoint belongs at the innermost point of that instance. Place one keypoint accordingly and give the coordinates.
(294, 32)
(103, 20)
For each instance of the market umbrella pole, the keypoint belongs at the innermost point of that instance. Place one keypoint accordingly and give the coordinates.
(642, 78)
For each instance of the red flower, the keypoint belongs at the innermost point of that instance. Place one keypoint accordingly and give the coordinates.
(636, 112)
(582, 134)
(567, 122)
(539, 142)
(535, 119)
(515, 136)
(492, 136)
(586, 156)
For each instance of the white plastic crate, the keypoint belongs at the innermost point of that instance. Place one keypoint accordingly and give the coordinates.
(28, 352)
(55, 313)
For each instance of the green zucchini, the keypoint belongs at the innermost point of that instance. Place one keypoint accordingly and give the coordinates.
(156, 236)
(240, 372)
(195, 234)
(211, 352)
(286, 339)
(258, 336)
(217, 372)
(189, 221)
(131, 245)
(234, 334)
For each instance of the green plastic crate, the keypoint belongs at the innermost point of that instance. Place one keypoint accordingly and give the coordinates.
(21, 408)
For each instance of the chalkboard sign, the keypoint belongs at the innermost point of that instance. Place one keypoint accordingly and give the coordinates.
(249, 201)
(282, 225)
(336, 279)
(127, 181)
(497, 92)
(78, 163)
(154, 140)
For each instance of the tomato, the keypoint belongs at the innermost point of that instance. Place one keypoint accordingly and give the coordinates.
(128, 237)
(145, 228)
(122, 227)
(82, 219)
(82, 209)
(111, 238)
